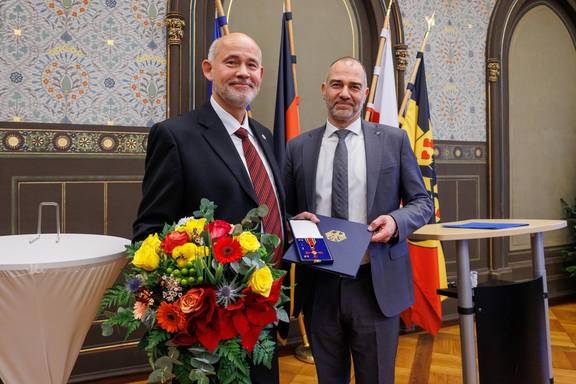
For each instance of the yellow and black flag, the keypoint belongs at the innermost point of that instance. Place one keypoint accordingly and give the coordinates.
(428, 264)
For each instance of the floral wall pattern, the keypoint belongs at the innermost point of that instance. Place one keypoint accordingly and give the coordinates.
(455, 62)
(83, 61)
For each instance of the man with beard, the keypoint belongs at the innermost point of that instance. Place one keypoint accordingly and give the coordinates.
(366, 173)
(215, 152)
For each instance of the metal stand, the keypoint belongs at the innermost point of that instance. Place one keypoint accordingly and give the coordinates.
(303, 352)
(539, 270)
(466, 313)
(39, 228)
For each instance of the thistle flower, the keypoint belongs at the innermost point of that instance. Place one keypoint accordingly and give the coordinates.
(227, 293)
(134, 283)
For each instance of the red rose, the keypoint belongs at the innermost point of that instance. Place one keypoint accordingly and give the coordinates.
(227, 250)
(172, 240)
(219, 228)
(208, 333)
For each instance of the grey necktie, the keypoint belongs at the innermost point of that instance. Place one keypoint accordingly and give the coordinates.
(340, 177)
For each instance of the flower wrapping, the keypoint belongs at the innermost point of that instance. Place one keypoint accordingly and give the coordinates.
(206, 295)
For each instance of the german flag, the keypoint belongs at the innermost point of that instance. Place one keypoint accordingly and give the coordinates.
(286, 117)
(428, 264)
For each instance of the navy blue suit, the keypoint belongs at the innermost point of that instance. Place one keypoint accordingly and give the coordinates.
(392, 177)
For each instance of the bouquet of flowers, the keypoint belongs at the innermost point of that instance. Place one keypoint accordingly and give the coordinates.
(206, 295)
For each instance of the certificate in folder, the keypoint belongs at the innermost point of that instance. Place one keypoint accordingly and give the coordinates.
(346, 242)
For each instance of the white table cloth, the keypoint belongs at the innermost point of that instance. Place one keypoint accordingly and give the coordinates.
(49, 296)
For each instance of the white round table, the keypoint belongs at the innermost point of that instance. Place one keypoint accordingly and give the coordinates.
(49, 295)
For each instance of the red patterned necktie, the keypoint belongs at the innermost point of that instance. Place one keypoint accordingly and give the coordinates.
(263, 187)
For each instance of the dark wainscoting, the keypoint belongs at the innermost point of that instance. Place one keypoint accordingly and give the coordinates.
(96, 179)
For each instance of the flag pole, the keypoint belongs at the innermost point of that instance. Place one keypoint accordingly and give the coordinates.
(408, 93)
(376, 75)
(224, 30)
(303, 352)
(220, 12)
(288, 9)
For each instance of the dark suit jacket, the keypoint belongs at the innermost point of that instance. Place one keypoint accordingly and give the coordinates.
(190, 157)
(393, 176)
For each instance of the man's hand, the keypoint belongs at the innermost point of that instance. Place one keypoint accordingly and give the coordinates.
(306, 216)
(382, 228)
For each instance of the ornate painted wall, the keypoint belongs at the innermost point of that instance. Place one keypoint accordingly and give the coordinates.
(83, 61)
(455, 62)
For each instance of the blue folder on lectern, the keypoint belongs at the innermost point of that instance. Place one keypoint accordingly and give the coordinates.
(485, 225)
(346, 242)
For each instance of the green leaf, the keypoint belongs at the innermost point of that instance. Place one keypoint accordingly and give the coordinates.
(116, 296)
(123, 318)
(173, 353)
(237, 230)
(160, 376)
(263, 350)
(164, 362)
(206, 210)
(233, 367)
(197, 376)
(203, 366)
(166, 230)
(154, 338)
(282, 315)
(107, 329)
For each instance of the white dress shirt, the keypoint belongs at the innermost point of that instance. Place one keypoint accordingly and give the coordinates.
(357, 194)
(232, 125)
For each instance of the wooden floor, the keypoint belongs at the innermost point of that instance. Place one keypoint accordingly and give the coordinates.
(436, 360)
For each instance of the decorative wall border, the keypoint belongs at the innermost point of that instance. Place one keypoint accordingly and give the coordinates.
(105, 143)
(460, 151)
(65, 142)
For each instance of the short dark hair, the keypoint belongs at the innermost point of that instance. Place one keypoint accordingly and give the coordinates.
(349, 59)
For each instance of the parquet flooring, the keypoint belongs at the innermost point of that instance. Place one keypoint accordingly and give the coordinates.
(423, 359)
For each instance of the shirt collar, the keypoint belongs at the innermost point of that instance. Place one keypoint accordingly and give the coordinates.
(354, 127)
(229, 121)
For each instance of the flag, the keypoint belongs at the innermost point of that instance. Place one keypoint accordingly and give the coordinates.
(286, 116)
(384, 110)
(428, 264)
(219, 22)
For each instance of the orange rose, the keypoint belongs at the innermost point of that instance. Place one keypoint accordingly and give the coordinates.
(192, 300)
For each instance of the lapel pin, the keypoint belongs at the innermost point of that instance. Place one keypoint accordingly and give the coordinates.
(263, 137)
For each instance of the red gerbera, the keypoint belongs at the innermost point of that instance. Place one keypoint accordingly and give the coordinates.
(169, 317)
(227, 250)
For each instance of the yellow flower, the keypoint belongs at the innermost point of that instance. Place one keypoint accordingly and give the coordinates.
(152, 241)
(193, 227)
(147, 258)
(248, 242)
(261, 281)
(188, 252)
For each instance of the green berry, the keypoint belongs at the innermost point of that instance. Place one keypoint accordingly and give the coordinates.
(184, 271)
(184, 282)
(200, 279)
(190, 265)
(169, 270)
(176, 272)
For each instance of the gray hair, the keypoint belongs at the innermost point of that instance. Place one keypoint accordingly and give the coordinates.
(212, 50)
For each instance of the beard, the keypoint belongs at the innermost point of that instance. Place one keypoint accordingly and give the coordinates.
(237, 98)
(342, 114)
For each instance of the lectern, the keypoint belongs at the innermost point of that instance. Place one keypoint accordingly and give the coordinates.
(465, 304)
